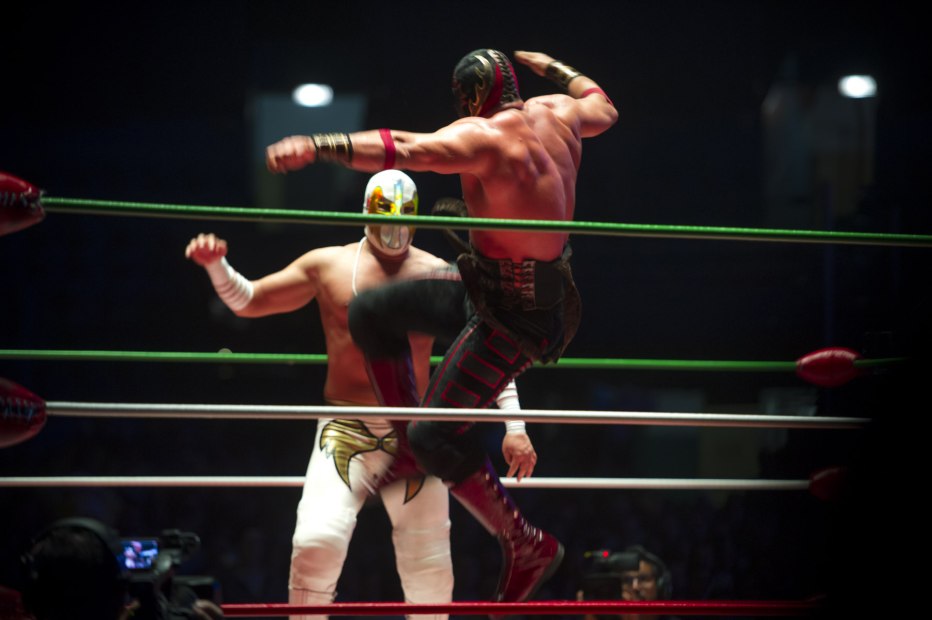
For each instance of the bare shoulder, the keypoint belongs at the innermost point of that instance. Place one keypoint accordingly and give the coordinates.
(320, 259)
(550, 101)
(546, 109)
(474, 128)
(420, 256)
(555, 103)
(420, 261)
(468, 123)
(554, 108)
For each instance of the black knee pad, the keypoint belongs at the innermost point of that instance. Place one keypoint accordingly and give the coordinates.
(443, 451)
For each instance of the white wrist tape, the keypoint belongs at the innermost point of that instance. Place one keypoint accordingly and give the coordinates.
(232, 288)
(515, 426)
(508, 399)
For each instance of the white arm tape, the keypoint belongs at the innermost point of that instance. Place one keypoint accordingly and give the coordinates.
(508, 399)
(234, 289)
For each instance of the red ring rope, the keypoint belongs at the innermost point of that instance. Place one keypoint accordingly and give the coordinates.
(475, 608)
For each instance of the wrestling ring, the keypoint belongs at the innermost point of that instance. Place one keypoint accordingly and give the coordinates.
(826, 368)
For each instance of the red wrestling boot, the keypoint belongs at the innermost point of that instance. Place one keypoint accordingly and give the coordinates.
(529, 555)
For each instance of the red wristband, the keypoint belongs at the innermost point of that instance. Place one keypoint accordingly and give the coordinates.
(589, 91)
(386, 136)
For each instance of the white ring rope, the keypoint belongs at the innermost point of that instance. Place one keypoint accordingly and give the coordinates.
(309, 412)
(679, 484)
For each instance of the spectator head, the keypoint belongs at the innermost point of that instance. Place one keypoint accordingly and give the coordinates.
(649, 581)
(634, 574)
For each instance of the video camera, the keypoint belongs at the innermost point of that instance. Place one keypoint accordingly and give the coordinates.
(152, 563)
(601, 575)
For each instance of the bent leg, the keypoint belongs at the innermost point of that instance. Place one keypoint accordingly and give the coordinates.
(474, 371)
(476, 368)
(380, 319)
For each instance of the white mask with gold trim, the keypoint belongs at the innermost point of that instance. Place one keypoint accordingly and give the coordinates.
(390, 193)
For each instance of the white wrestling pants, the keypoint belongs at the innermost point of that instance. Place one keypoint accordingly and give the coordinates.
(327, 512)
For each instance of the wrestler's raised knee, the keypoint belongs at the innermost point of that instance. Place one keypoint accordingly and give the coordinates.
(371, 330)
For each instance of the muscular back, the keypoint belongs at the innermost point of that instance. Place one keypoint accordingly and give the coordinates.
(531, 174)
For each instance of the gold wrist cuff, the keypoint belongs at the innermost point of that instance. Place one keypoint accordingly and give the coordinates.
(561, 74)
(335, 147)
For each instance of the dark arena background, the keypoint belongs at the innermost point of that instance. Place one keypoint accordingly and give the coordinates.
(729, 116)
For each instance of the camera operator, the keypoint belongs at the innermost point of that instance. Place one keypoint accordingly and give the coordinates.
(73, 571)
(634, 574)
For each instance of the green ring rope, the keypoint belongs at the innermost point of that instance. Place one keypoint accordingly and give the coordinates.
(244, 214)
(314, 358)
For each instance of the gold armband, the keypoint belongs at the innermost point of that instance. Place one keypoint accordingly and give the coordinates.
(561, 74)
(335, 147)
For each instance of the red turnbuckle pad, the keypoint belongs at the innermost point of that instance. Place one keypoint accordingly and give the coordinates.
(829, 367)
(22, 414)
(20, 204)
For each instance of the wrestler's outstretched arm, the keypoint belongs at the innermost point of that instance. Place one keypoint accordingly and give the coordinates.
(283, 291)
(467, 145)
(595, 114)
